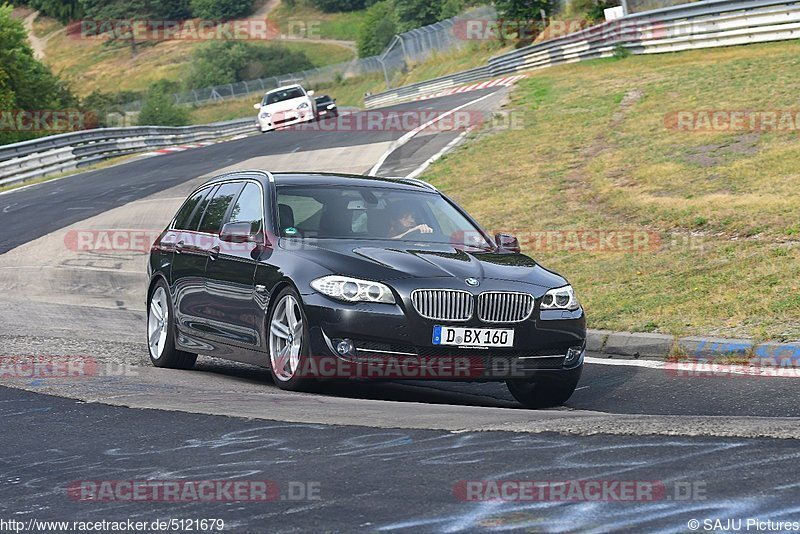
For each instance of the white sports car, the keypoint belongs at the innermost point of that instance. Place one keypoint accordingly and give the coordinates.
(285, 106)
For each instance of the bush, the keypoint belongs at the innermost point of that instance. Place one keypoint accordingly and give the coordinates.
(221, 62)
(417, 13)
(593, 10)
(621, 51)
(451, 8)
(379, 27)
(335, 6)
(102, 105)
(25, 83)
(63, 10)
(221, 9)
(160, 109)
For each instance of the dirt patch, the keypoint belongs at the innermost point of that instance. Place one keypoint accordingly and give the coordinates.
(19, 13)
(630, 98)
(718, 153)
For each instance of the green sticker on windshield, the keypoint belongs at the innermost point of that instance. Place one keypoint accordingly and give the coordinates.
(290, 231)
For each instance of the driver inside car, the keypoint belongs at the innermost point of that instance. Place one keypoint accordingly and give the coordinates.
(404, 222)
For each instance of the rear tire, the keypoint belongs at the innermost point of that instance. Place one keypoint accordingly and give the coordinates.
(287, 335)
(161, 332)
(542, 393)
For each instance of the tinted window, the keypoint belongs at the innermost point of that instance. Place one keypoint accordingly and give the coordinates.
(182, 219)
(305, 210)
(376, 213)
(285, 94)
(248, 208)
(218, 207)
(194, 221)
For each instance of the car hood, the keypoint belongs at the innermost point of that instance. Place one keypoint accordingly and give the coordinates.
(379, 261)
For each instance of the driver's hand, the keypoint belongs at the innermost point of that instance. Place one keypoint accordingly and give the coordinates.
(424, 228)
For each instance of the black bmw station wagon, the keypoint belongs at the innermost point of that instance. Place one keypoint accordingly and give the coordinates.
(327, 276)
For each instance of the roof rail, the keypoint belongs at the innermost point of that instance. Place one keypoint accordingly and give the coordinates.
(415, 181)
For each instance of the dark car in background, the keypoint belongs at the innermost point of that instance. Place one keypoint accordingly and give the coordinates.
(326, 107)
(323, 276)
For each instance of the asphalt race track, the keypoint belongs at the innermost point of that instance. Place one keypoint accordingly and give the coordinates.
(353, 456)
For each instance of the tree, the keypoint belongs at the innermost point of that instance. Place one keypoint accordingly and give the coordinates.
(25, 83)
(160, 109)
(336, 6)
(107, 11)
(525, 14)
(379, 27)
(63, 10)
(521, 9)
(221, 9)
(417, 13)
(103, 12)
(221, 62)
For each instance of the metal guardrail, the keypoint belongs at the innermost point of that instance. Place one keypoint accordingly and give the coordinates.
(59, 153)
(705, 24)
(409, 92)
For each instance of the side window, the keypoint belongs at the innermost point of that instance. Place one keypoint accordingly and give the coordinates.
(184, 216)
(248, 208)
(300, 212)
(218, 207)
(194, 221)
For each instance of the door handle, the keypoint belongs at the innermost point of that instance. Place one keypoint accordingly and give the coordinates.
(213, 252)
(179, 247)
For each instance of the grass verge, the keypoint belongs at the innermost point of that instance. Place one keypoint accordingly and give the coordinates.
(721, 208)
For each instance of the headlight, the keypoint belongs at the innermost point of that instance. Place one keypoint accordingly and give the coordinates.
(304, 105)
(353, 289)
(562, 298)
(331, 106)
(265, 115)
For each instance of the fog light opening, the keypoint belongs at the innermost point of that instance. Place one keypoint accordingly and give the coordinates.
(574, 356)
(344, 347)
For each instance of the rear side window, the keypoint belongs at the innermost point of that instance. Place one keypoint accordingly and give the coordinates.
(217, 208)
(184, 216)
(248, 208)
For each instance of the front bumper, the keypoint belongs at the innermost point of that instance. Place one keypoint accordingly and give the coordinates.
(276, 121)
(390, 341)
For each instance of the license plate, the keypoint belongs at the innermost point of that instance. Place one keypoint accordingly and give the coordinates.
(472, 337)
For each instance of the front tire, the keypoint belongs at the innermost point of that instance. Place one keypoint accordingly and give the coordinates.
(161, 332)
(543, 392)
(287, 332)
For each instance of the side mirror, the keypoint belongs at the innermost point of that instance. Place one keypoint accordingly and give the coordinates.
(310, 93)
(257, 106)
(507, 243)
(240, 232)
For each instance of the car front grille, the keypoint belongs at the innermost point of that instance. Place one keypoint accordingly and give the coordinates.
(443, 304)
(504, 307)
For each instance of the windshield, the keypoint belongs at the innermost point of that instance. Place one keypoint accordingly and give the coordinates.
(331, 212)
(283, 94)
